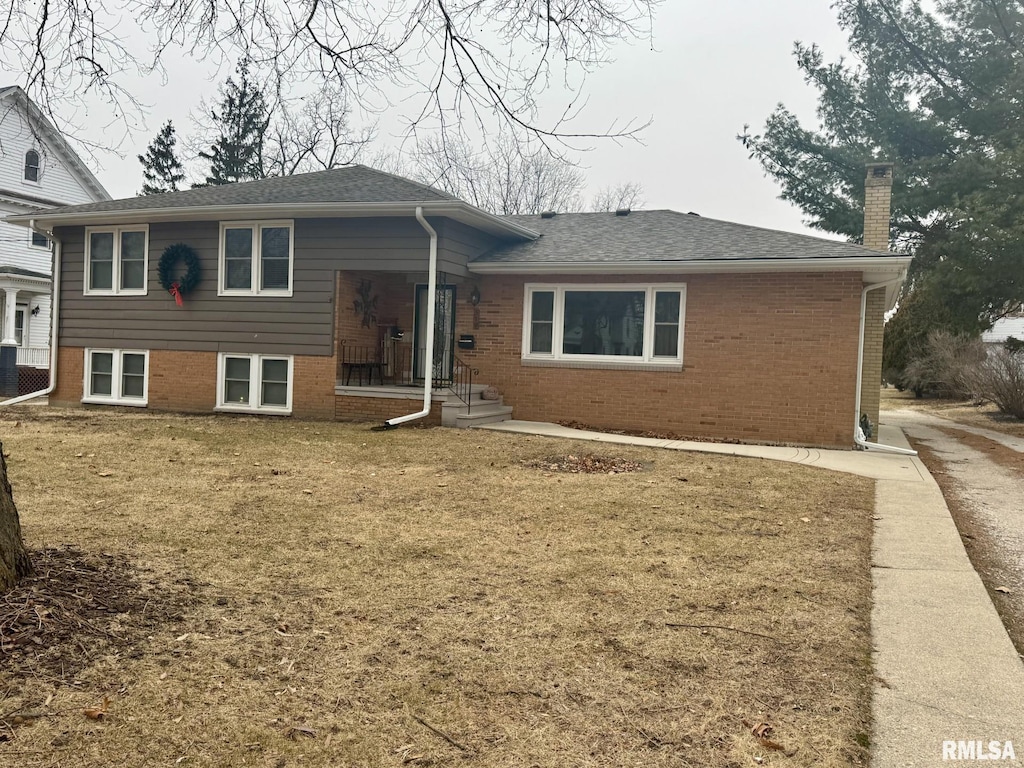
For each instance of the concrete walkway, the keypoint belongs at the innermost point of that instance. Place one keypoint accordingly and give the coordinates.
(945, 668)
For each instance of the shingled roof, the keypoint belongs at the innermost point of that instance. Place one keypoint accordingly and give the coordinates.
(659, 236)
(351, 184)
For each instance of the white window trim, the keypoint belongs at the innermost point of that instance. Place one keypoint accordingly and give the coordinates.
(115, 282)
(255, 388)
(115, 398)
(31, 242)
(647, 361)
(39, 168)
(25, 322)
(256, 227)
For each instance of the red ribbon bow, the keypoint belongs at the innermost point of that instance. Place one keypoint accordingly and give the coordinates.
(176, 293)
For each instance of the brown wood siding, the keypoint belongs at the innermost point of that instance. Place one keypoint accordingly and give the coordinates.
(299, 325)
(462, 244)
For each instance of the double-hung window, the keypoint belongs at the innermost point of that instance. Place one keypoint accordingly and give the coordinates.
(256, 258)
(116, 377)
(32, 166)
(116, 260)
(611, 324)
(261, 383)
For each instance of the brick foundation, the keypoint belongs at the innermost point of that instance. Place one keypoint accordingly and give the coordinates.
(187, 382)
(380, 409)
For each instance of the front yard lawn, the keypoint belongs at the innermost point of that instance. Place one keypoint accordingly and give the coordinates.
(258, 592)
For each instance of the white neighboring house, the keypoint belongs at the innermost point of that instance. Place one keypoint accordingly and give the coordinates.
(1004, 327)
(37, 170)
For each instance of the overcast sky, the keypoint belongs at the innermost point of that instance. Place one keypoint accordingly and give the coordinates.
(710, 68)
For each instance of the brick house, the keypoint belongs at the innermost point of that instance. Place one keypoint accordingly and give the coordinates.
(312, 301)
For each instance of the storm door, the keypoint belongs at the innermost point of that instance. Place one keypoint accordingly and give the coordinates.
(444, 334)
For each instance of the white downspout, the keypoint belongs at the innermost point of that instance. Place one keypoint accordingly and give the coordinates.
(428, 378)
(54, 320)
(858, 433)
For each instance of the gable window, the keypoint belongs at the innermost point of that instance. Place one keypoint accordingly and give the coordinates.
(32, 166)
(641, 324)
(256, 258)
(116, 260)
(116, 377)
(260, 383)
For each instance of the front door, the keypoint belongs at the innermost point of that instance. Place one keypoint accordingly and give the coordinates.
(20, 324)
(444, 334)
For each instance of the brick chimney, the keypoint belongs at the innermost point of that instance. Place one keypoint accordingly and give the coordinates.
(877, 202)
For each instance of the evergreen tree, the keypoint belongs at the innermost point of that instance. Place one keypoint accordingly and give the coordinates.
(241, 124)
(937, 92)
(161, 167)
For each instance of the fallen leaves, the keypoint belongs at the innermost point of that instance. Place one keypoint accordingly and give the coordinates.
(762, 732)
(586, 464)
(99, 712)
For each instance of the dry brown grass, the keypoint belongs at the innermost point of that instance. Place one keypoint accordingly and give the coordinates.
(986, 416)
(365, 585)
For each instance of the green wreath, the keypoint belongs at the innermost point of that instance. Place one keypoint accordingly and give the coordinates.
(179, 286)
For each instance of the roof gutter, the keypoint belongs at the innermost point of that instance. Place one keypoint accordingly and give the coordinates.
(428, 378)
(450, 208)
(54, 322)
(858, 434)
(879, 263)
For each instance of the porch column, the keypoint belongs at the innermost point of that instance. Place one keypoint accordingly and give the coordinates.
(10, 307)
(9, 346)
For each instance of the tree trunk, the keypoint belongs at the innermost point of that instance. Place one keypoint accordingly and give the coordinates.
(14, 561)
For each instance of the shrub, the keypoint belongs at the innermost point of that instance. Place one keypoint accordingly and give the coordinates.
(949, 365)
(1002, 381)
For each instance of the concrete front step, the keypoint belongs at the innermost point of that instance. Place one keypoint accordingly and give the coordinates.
(455, 413)
(487, 414)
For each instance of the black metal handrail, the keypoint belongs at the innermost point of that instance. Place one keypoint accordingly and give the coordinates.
(462, 381)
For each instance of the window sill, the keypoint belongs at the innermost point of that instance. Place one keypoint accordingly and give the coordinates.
(133, 292)
(260, 411)
(607, 365)
(93, 400)
(257, 294)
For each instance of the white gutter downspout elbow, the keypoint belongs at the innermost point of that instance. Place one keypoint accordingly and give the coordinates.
(858, 433)
(54, 320)
(428, 378)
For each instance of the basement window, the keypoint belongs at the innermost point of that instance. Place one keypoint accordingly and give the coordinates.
(617, 325)
(116, 377)
(254, 383)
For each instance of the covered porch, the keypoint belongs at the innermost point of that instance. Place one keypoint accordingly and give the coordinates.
(382, 354)
(24, 330)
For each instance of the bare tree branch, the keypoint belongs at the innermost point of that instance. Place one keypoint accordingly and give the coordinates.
(472, 62)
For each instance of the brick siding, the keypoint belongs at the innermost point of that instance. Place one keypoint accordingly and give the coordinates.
(187, 382)
(767, 358)
(380, 409)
